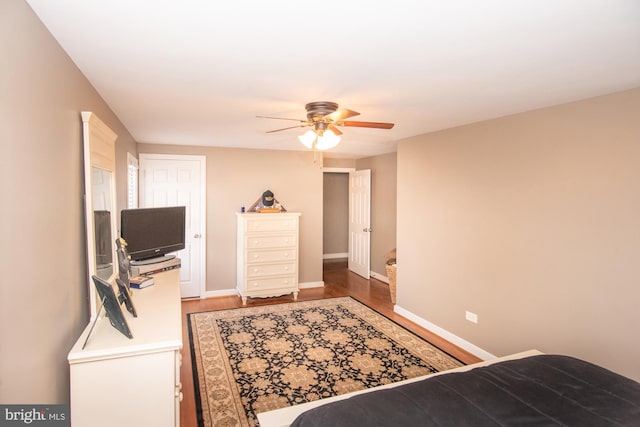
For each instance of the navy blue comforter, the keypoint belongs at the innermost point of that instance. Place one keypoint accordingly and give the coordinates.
(544, 390)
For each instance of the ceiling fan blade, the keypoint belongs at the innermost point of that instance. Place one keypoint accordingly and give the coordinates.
(281, 118)
(335, 130)
(340, 115)
(377, 125)
(290, 127)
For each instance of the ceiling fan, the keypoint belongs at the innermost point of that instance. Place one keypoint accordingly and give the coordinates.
(324, 117)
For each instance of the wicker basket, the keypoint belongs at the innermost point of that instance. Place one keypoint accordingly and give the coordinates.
(391, 274)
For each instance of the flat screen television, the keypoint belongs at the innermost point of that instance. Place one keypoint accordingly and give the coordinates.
(152, 233)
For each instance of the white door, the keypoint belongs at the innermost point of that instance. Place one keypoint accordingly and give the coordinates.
(174, 180)
(360, 222)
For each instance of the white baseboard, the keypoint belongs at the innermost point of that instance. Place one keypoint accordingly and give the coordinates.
(234, 292)
(307, 285)
(452, 338)
(380, 277)
(335, 256)
(221, 293)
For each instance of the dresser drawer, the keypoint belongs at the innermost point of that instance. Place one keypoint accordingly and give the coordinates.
(261, 256)
(261, 270)
(279, 241)
(272, 224)
(283, 282)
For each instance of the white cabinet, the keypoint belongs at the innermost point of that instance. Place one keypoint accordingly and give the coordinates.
(267, 254)
(116, 381)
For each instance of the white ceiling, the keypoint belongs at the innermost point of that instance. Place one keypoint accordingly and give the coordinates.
(195, 72)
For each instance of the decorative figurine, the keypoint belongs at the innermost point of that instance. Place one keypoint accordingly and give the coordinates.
(267, 203)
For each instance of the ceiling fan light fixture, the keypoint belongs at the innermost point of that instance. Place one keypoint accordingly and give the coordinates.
(308, 138)
(327, 140)
(325, 118)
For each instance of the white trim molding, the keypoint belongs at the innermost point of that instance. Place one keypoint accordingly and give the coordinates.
(234, 292)
(338, 170)
(308, 285)
(380, 277)
(454, 339)
(222, 293)
(336, 255)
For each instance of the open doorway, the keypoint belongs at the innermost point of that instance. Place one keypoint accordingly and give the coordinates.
(335, 235)
(346, 218)
(383, 209)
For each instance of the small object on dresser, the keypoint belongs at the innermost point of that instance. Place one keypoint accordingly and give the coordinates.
(140, 282)
(266, 203)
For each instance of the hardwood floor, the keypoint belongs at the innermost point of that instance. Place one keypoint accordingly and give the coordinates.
(339, 281)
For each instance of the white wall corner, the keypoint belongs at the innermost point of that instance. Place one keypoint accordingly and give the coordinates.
(454, 339)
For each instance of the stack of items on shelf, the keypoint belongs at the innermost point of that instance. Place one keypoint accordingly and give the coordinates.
(140, 282)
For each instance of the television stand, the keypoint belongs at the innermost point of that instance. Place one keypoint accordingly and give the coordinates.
(156, 267)
(153, 260)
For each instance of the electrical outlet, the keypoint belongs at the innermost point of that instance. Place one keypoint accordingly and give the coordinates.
(471, 317)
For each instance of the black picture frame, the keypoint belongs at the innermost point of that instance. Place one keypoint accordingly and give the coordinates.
(124, 297)
(112, 306)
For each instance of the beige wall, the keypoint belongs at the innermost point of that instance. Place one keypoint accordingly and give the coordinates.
(335, 239)
(237, 177)
(44, 302)
(329, 162)
(383, 207)
(532, 222)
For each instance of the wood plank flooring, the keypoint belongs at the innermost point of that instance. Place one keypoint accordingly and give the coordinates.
(339, 281)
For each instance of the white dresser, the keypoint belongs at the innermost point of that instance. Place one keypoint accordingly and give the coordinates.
(267, 254)
(116, 381)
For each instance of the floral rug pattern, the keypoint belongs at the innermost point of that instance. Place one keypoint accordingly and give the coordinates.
(256, 359)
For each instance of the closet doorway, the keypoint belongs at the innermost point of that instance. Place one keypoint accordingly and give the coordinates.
(346, 217)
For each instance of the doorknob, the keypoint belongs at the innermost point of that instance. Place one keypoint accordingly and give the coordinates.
(197, 236)
(367, 230)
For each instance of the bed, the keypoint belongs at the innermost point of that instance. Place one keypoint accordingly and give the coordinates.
(527, 388)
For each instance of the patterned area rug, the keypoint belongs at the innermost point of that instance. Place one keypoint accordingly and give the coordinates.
(256, 359)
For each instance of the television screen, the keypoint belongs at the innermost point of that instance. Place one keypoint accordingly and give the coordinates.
(153, 232)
